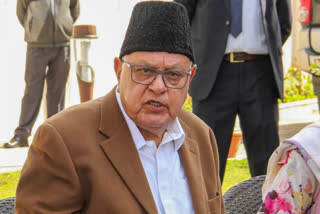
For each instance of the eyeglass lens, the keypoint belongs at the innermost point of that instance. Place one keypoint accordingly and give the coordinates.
(145, 75)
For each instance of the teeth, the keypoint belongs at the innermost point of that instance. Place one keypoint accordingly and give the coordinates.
(155, 104)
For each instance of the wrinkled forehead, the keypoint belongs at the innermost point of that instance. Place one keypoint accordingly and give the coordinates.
(157, 59)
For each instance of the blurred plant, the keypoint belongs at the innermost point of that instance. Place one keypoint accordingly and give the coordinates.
(297, 85)
(315, 70)
(188, 103)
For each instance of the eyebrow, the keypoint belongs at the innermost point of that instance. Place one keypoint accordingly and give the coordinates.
(172, 67)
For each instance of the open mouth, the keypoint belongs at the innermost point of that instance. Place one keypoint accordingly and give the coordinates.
(155, 104)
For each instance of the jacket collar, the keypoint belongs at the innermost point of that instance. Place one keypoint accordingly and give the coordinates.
(120, 150)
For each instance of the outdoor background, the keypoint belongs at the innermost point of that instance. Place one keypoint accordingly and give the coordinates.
(111, 19)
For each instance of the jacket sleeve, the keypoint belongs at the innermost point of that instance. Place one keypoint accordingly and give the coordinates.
(75, 9)
(48, 182)
(21, 10)
(190, 5)
(285, 18)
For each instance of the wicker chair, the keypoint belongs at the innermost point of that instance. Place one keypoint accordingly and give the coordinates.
(7, 206)
(245, 197)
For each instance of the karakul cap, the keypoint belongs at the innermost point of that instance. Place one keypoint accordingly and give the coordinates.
(158, 26)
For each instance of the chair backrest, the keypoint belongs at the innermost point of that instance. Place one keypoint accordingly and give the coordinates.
(245, 197)
(7, 205)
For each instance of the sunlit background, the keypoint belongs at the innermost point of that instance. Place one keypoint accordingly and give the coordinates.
(111, 19)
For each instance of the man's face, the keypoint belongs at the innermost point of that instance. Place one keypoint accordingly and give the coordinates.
(152, 107)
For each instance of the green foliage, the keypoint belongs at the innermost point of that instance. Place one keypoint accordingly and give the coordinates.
(8, 184)
(297, 85)
(315, 69)
(236, 172)
(188, 104)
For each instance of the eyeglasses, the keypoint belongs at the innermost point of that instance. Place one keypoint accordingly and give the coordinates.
(145, 75)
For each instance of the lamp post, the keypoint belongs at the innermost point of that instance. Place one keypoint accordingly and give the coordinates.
(82, 36)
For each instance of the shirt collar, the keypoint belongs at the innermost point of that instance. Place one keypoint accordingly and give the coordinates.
(173, 134)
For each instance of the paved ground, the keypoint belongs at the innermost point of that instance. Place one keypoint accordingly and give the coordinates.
(12, 159)
(293, 117)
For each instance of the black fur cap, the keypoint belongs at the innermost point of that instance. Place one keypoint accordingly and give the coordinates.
(158, 26)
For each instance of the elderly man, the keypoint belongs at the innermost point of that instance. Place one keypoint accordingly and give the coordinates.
(134, 150)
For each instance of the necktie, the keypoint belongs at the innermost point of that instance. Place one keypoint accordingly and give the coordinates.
(236, 17)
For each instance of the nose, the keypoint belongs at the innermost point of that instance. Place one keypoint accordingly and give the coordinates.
(157, 84)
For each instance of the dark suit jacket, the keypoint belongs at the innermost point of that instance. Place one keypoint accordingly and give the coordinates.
(83, 160)
(210, 22)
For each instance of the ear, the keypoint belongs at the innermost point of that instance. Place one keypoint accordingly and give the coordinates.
(117, 65)
(193, 71)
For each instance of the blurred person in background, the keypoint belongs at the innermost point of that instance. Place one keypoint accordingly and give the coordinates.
(48, 26)
(237, 47)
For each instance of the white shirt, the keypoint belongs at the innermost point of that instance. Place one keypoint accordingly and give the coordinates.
(252, 39)
(163, 167)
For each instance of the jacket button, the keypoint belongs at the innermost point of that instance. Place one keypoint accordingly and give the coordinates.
(227, 23)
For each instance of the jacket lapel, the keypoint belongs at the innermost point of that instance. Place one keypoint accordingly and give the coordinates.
(122, 153)
(189, 155)
(227, 8)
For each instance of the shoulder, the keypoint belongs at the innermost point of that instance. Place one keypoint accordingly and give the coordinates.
(194, 127)
(87, 121)
(76, 128)
(192, 120)
(78, 123)
(78, 114)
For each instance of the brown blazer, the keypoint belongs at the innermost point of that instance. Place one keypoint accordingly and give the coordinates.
(83, 160)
